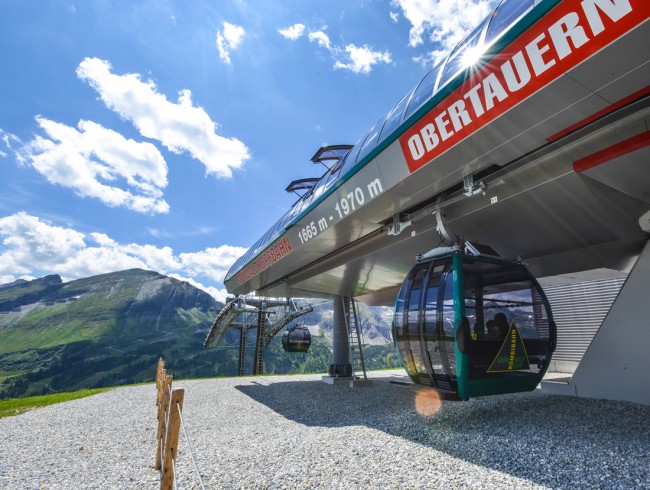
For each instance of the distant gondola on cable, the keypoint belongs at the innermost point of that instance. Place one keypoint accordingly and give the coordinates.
(469, 323)
(296, 339)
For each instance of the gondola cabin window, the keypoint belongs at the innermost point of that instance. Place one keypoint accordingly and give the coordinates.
(502, 305)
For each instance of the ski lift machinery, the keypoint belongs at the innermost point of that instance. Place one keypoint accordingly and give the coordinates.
(469, 323)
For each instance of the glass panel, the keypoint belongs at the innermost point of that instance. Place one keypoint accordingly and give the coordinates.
(295, 210)
(473, 296)
(334, 174)
(321, 185)
(235, 267)
(413, 318)
(279, 226)
(285, 220)
(401, 338)
(414, 311)
(266, 238)
(329, 179)
(448, 341)
(431, 304)
(351, 159)
(257, 247)
(464, 55)
(501, 298)
(398, 329)
(406, 321)
(398, 318)
(394, 118)
(300, 205)
(371, 139)
(433, 322)
(505, 15)
(423, 92)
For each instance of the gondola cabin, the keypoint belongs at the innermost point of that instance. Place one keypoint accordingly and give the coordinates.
(473, 325)
(296, 339)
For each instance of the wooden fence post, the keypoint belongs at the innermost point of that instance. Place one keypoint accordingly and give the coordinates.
(171, 440)
(160, 381)
(163, 407)
(161, 366)
(161, 372)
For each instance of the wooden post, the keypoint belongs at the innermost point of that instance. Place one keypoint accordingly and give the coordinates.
(159, 369)
(161, 373)
(163, 407)
(171, 440)
(160, 381)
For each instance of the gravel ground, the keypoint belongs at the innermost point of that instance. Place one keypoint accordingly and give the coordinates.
(297, 432)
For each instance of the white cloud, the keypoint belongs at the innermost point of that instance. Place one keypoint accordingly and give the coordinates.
(218, 294)
(90, 261)
(293, 32)
(446, 21)
(212, 262)
(228, 40)
(27, 240)
(11, 278)
(158, 259)
(178, 126)
(32, 247)
(103, 240)
(100, 163)
(321, 38)
(361, 59)
(394, 16)
(357, 59)
(9, 140)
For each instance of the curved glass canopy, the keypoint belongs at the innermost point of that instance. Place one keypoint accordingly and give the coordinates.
(472, 326)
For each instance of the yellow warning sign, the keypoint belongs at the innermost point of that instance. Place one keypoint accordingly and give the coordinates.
(512, 355)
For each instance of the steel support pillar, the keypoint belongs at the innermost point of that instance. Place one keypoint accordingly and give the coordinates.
(242, 350)
(340, 345)
(258, 365)
(617, 363)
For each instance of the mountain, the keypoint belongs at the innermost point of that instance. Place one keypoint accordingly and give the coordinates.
(98, 331)
(111, 329)
(375, 322)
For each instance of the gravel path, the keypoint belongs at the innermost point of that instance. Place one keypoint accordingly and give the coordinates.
(297, 432)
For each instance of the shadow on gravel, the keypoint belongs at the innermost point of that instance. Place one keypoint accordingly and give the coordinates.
(547, 439)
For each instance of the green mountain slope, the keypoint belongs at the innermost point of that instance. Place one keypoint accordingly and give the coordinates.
(110, 329)
(98, 331)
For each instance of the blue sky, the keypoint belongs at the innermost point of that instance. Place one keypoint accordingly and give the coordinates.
(161, 134)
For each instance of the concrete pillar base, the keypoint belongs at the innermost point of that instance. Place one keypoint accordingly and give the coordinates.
(336, 380)
(351, 381)
(344, 370)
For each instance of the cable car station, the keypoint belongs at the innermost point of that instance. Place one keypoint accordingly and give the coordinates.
(506, 192)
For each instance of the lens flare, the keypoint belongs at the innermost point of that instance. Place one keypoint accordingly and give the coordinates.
(472, 55)
(427, 402)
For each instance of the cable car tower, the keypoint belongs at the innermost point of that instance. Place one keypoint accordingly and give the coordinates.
(245, 313)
